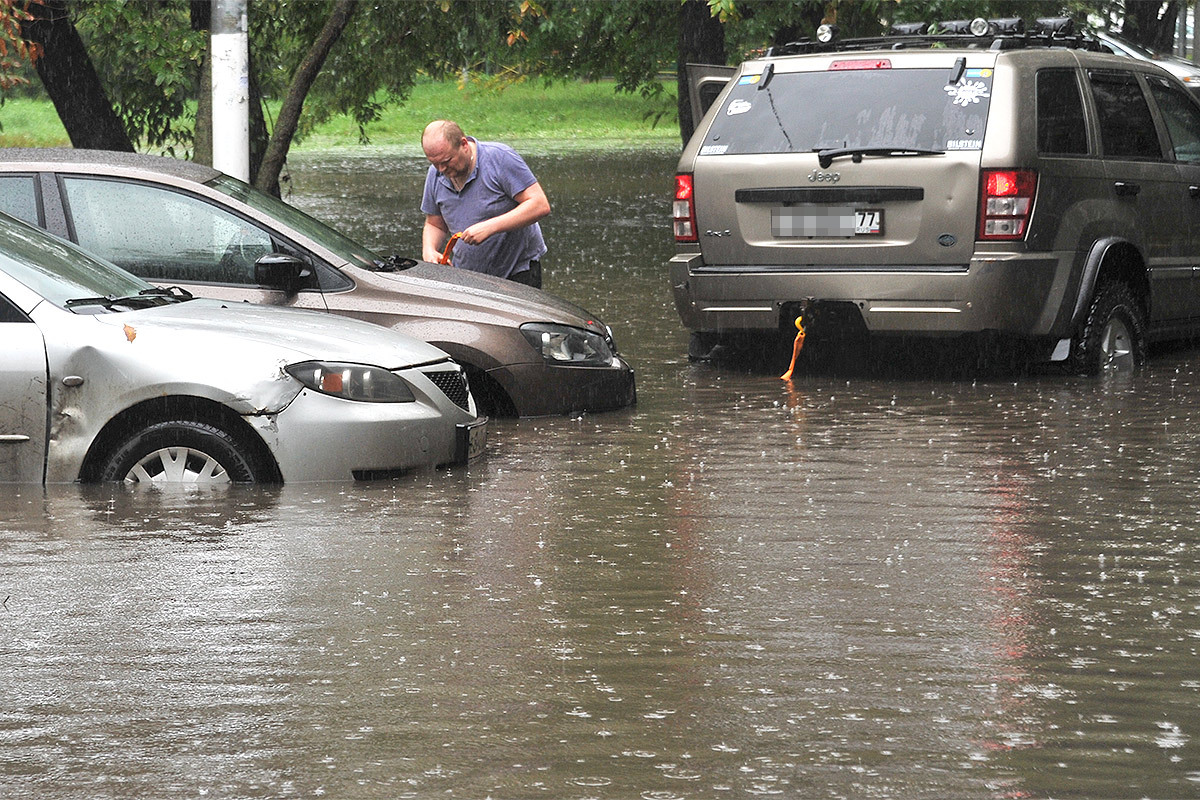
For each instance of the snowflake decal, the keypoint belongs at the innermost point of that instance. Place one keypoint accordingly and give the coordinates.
(964, 94)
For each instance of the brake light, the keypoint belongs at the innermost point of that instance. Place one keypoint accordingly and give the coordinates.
(683, 210)
(861, 63)
(1006, 203)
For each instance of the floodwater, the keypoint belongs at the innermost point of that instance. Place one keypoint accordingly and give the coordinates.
(852, 586)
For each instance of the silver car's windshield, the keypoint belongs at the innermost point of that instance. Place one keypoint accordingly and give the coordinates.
(59, 271)
(314, 229)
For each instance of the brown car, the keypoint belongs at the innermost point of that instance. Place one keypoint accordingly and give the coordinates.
(526, 352)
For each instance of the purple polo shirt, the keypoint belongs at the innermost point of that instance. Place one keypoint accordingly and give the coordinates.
(499, 175)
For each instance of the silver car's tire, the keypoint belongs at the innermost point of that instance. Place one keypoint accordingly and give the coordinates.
(1113, 337)
(182, 451)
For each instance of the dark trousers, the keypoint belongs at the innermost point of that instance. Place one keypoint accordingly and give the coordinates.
(529, 277)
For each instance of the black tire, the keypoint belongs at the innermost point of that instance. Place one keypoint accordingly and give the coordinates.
(1113, 335)
(183, 451)
(701, 346)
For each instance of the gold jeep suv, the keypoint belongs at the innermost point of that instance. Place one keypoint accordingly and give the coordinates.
(986, 179)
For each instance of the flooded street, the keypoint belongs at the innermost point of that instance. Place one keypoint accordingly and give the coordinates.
(908, 586)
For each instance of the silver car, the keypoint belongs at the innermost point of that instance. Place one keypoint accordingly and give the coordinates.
(105, 377)
(527, 352)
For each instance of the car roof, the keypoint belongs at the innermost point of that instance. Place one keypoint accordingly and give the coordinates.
(68, 157)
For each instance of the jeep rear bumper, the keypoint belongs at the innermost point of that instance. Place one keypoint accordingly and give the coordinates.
(1014, 293)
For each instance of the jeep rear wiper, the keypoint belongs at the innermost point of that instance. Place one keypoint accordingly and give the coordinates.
(826, 157)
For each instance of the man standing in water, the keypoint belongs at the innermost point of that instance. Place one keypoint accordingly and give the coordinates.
(485, 193)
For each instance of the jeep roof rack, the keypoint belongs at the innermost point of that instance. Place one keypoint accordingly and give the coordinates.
(979, 33)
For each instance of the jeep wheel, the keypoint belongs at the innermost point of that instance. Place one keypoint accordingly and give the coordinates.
(1113, 336)
(183, 451)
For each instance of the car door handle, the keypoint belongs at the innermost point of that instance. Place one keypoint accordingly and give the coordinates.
(1194, 191)
(1125, 189)
(13, 438)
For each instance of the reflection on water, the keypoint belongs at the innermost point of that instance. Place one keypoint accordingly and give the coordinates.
(842, 587)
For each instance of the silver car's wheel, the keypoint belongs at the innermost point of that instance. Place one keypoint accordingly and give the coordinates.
(185, 451)
(177, 465)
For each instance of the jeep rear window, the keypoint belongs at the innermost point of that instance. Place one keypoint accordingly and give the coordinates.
(800, 112)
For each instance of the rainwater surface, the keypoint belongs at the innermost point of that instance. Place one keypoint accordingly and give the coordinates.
(894, 583)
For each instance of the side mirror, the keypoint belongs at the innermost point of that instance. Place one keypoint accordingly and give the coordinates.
(282, 271)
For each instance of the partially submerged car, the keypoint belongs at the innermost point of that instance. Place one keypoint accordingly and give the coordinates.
(172, 222)
(105, 377)
(991, 181)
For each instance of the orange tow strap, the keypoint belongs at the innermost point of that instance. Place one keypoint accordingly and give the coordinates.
(796, 347)
(445, 257)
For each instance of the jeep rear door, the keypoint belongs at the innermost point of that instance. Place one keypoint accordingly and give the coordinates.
(1181, 117)
(1147, 186)
(845, 161)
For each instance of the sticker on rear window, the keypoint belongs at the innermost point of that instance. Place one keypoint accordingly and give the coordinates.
(964, 94)
(738, 107)
(964, 144)
(714, 149)
(746, 80)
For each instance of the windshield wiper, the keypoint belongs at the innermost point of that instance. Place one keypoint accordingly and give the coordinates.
(144, 299)
(825, 157)
(176, 293)
(394, 263)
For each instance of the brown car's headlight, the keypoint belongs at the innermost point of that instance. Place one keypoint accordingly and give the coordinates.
(564, 345)
(352, 381)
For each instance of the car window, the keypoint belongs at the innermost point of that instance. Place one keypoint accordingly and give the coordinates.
(161, 234)
(852, 105)
(319, 232)
(58, 270)
(1126, 127)
(1182, 118)
(1061, 127)
(9, 311)
(18, 197)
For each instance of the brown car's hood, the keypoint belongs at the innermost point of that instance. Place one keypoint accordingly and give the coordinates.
(457, 293)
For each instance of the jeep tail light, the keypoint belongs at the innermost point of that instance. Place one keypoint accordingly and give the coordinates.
(1006, 203)
(683, 210)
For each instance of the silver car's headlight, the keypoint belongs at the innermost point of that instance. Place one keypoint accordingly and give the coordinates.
(352, 381)
(562, 344)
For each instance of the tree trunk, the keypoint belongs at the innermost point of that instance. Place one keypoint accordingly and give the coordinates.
(202, 138)
(1144, 25)
(701, 41)
(289, 113)
(71, 81)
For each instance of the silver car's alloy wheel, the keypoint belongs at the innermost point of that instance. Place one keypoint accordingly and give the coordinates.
(177, 465)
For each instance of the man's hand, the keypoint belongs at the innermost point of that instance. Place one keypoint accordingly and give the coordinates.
(532, 205)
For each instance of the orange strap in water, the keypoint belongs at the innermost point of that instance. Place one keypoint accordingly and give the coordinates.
(445, 257)
(796, 347)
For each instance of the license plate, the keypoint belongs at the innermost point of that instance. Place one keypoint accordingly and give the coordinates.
(814, 221)
(471, 442)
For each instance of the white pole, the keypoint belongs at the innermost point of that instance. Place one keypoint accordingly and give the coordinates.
(231, 88)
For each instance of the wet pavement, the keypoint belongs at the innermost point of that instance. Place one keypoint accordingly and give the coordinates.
(920, 584)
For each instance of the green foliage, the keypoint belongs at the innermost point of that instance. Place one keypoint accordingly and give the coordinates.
(148, 58)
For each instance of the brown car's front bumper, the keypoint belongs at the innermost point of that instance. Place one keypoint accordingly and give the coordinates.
(540, 390)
